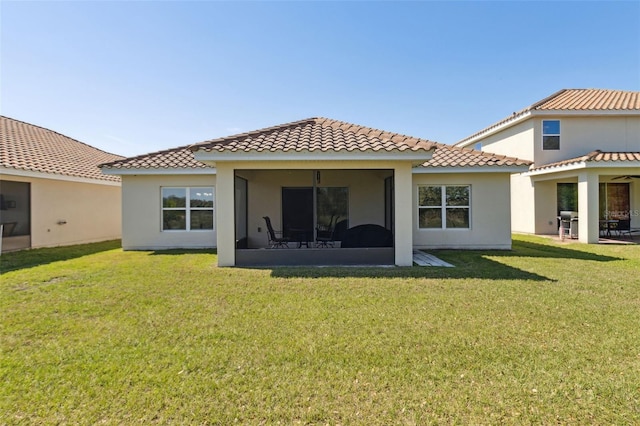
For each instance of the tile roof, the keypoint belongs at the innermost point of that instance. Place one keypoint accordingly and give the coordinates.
(585, 100)
(450, 156)
(594, 156)
(24, 146)
(175, 158)
(315, 135)
(590, 100)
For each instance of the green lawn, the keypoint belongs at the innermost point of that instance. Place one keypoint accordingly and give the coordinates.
(546, 333)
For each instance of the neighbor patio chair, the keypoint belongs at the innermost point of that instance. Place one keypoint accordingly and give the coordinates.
(274, 240)
(624, 227)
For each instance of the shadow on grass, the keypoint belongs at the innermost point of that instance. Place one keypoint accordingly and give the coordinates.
(468, 264)
(475, 265)
(29, 258)
(529, 249)
(174, 252)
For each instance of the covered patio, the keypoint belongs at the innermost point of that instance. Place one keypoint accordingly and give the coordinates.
(310, 211)
(601, 190)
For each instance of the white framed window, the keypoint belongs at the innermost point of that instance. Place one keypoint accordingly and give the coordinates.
(187, 208)
(550, 135)
(444, 206)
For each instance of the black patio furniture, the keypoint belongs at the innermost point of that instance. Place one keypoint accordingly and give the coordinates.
(275, 241)
(368, 235)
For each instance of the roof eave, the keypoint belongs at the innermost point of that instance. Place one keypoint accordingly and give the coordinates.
(159, 171)
(579, 165)
(470, 169)
(415, 156)
(9, 171)
(540, 113)
(493, 130)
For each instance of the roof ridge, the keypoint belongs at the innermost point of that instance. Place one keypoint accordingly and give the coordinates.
(60, 134)
(382, 133)
(231, 138)
(535, 105)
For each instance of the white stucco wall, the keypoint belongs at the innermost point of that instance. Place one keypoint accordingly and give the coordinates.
(546, 207)
(490, 213)
(522, 204)
(514, 141)
(582, 135)
(142, 214)
(92, 211)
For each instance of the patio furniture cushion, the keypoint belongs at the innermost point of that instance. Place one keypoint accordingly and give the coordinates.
(368, 235)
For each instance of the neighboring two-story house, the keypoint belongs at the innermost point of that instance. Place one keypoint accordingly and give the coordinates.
(585, 148)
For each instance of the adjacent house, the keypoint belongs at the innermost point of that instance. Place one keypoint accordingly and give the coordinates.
(52, 192)
(585, 149)
(387, 193)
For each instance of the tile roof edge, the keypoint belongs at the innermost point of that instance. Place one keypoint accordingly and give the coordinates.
(63, 135)
(589, 157)
(195, 146)
(141, 156)
(531, 108)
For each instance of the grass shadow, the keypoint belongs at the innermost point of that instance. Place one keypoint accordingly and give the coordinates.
(475, 265)
(469, 264)
(530, 249)
(176, 252)
(41, 256)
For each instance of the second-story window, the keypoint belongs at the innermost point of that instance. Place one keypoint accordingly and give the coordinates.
(550, 135)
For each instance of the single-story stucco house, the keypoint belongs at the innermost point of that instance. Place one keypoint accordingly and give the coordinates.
(397, 192)
(585, 148)
(52, 192)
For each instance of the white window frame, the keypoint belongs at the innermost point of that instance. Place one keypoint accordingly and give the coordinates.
(187, 208)
(551, 134)
(443, 206)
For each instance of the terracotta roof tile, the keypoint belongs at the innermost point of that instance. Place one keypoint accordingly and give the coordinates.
(315, 135)
(176, 158)
(594, 156)
(590, 100)
(28, 147)
(574, 100)
(450, 156)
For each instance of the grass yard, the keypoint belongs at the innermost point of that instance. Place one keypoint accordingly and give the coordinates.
(546, 333)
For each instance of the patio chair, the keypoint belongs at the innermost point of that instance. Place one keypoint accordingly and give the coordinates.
(325, 233)
(274, 240)
(624, 227)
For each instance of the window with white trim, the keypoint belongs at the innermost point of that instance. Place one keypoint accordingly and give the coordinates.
(550, 135)
(187, 208)
(444, 206)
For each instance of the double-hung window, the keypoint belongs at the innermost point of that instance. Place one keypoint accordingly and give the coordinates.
(187, 209)
(444, 206)
(550, 135)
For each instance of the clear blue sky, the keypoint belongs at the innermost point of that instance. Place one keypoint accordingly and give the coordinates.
(136, 77)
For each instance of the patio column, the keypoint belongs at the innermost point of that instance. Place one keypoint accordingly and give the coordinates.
(403, 214)
(225, 214)
(588, 210)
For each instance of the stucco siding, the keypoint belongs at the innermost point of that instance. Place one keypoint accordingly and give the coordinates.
(490, 213)
(64, 212)
(514, 141)
(522, 204)
(142, 213)
(546, 207)
(581, 135)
